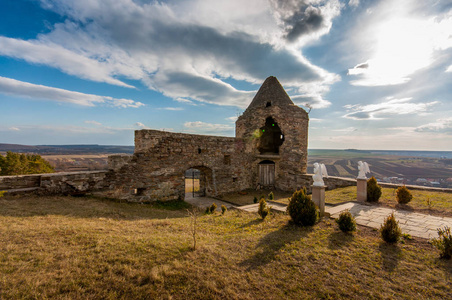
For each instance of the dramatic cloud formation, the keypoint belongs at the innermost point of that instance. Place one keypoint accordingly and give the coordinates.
(185, 56)
(58, 57)
(25, 89)
(385, 109)
(305, 20)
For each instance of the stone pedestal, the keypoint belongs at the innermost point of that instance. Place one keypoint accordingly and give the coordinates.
(361, 194)
(318, 197)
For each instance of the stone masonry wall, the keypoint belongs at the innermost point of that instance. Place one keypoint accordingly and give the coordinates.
(19, 182)
(157, 169)
(58, 183)
(292, 158)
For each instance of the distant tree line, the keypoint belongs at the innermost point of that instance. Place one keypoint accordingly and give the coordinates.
(21, 164)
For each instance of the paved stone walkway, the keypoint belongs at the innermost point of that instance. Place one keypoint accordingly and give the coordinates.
(412, 223)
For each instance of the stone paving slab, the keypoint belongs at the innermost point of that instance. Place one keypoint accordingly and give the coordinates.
(412, 223)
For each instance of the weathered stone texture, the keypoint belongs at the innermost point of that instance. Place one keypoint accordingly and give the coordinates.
(116, 162)
(273, 102)
(72, 183)
(157, 168)
(69, 183)
(19, 182)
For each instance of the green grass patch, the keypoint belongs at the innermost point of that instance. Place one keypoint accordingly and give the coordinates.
(72, 248)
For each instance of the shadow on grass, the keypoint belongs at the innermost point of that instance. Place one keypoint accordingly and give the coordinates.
(390, 253)
(339, 239)
(90, 207)
(270, 245)
(251, 223)
(446, 265)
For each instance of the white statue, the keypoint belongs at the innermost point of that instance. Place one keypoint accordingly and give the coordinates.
(319, 173)
(363, 168)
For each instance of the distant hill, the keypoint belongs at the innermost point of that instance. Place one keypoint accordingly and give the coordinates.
(67, 149)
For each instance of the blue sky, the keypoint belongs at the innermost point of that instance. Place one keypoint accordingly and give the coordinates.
(376, 74)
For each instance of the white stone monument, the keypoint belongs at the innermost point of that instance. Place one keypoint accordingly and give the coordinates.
(318, 187)
(361, 181)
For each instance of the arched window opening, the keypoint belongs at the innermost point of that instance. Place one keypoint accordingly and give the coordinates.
(271, 137)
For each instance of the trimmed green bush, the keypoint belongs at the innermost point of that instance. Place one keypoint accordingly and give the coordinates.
(301, 209)
(263, 210)
(373, 190)
(346, 221)
(403, 195)
(255, 199)
(223, 209)
(444, 242)
(271, 196)
(212, 208)
(390, 230)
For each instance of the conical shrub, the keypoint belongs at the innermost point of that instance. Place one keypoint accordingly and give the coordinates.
(346, 221)
(390, 230)
(403, 195)
(301, 209)
(373, 190)
(263, 210)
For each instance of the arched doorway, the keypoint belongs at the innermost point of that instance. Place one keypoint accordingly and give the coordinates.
(198, 182)
(271, 137)
(266, 174)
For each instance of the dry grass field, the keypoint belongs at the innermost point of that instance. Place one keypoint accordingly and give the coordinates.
(89, 248)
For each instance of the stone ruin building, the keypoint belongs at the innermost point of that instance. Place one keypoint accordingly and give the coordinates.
(269, 151)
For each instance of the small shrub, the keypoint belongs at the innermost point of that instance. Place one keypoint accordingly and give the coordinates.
(271, 196)
(2, 193)
(212, 208)
(403, 195)
(444, 242)
(223, 209)
(429, 203)
(346, 222)
(301, 209)
(390, 230)
(255, 199)
(373, 190)
(207, 211)
(263, 210)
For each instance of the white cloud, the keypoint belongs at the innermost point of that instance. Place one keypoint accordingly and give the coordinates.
(56, 56)
(202, 127)
(384, 109)
(232, 119)
(353, 3)
(172, 108)
(94, 123)
(35, 91)
(315, 120)
(141, 125)
(14, 128)
(186, 49)
(440, 126)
